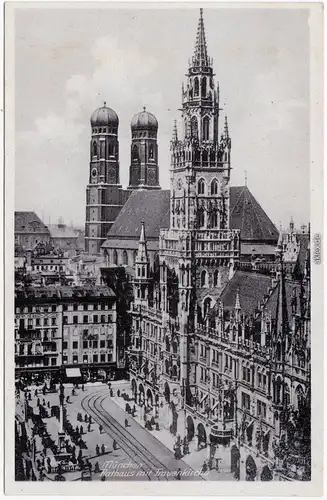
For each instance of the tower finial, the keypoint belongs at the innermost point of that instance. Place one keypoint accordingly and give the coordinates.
(142, 236)
(237, 300)
(175, 135)
(104, 104)
(144, 108)
(200, 54)
(226, 131)
(245, 177)
(280, 241)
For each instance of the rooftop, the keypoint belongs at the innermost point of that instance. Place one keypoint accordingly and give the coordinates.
(29, 222)
(154, 208)
(61, 292)
(251, 288)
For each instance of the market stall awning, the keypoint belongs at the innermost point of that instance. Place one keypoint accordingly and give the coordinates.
(73, 372)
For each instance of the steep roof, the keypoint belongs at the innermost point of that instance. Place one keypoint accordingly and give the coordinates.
(153, 206)
(290, 286)
(247, 215)
(251, 287)
(65, 291)
(150, 206)
(29, 222)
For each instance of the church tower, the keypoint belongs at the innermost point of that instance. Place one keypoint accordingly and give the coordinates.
(104, 194)
(199, 248)
(200, 171)
(144, 171)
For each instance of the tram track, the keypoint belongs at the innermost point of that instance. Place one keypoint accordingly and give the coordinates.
(142, 458)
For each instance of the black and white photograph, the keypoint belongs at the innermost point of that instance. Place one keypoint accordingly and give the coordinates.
(164, 247)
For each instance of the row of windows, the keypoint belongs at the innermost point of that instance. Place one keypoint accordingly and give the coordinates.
(196, 155)
(90, 344)
(205, 278)
(151, 135)
(212, 220)
(261, 378)
(90, 359)
(213, 187)
(66, 307)
(33, 363)
(135, 153)
(35, 309)
(96, 319)
(124, 257)
(48, 268)
(105, 130)
(111, 149)
(86, 307)
(203, 86)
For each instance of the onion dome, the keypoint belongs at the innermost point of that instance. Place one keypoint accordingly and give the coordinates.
(144, 120)
(104, 117)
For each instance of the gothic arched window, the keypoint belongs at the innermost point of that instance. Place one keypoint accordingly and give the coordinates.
(204, 87)
(194, 127)
(196, 86)
(151, 152)
(134, 256)
(115, 257)
(185, 127)
(95, 149)
(204, 278)
(125, 258)
(201, 186)
(206, 128)
(205, 156)
(200, 218)
(135, 155)
(214, 220)
(216, 278)
(111, 149)
(206, 306)
(214, 187)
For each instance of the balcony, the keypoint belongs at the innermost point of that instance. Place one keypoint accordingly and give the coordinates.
(218, 433)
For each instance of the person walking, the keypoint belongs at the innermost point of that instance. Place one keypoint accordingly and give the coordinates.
(100, 429)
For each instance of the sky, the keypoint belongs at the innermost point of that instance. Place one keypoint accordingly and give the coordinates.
(69, 60)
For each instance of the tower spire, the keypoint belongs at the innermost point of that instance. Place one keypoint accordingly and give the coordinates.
(142, 254)
(200, 57)
(226, 130)
(175, 135)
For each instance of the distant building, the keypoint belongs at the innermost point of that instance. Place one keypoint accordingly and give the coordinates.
(57, 328)
(105, 196)
(30, 230)
(64, 237)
